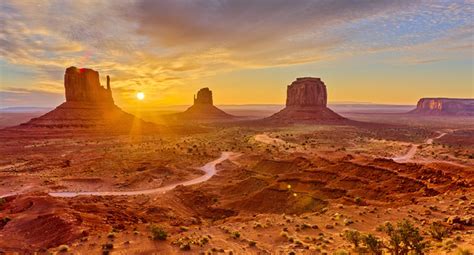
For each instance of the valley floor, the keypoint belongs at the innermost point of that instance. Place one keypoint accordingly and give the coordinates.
(243, 189)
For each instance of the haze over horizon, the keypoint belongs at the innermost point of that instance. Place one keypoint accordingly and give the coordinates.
(387, 52)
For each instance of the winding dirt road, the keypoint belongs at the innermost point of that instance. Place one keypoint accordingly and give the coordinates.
(265, 138)
(412, 151)
(408, 156)
(209, 171)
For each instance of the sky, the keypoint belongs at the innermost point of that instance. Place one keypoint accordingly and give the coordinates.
(245, 51)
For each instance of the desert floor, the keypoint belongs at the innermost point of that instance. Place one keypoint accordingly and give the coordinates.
(238, 188)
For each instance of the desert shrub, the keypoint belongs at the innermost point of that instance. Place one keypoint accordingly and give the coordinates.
(5, 220)
(438, 231)
(158, 233)
(373, 244)
(353, 236)
(462, 251)
(404, 238)
(63, 248)
(235, 234)
(358, 200)
(108, 246)
(185, 247)
(341, 252)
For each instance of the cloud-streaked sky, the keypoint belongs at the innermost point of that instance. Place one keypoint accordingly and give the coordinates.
(246, 51)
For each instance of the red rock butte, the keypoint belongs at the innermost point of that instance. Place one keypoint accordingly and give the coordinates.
(83, 85)
(203, 108)
(306, 100)
(88, 106)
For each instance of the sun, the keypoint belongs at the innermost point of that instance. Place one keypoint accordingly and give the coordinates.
(140, 95)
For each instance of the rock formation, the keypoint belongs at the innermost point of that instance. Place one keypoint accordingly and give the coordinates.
(307, 92)
(306, 100)
(445, 106)
(204, 96)
(202, 109)
(83, 85)
(88, 105)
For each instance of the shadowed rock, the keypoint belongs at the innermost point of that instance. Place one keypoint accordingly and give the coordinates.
(88, 106)
(202, 109)
(204, 96)
(83, 85)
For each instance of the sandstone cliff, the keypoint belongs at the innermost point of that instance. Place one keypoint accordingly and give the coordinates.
(306, 101)
(445, 106)
(306, 92)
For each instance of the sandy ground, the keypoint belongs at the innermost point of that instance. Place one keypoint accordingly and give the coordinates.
(281, 190)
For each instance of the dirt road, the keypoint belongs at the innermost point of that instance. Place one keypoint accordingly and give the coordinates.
(414, 147)
(209, 171)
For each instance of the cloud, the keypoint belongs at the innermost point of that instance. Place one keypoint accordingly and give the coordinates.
(28, 97)
(161, 45)
(265, 32)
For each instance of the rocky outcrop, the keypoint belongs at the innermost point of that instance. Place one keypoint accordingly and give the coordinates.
(88, 106)
(445, 106)
(306, 101)
(204, 96)
(203, 109)
(83, 85)
(306, 91)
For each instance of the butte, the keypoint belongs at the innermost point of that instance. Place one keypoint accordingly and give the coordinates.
(88, 106)
(306, 102)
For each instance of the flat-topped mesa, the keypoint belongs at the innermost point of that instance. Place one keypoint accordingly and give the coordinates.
(204, 96)
(306, 101)
(445, 106)
(306, 91)
(83, 85)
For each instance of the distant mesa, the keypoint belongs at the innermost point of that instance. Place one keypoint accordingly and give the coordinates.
(88, 105)
(203, 108)
(445, 106)
(306, 101)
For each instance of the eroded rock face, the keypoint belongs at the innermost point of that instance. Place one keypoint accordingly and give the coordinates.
(83, 85)
(88, 106)
(306, 102)
(306, 91)
(204, 96)
(445, 106)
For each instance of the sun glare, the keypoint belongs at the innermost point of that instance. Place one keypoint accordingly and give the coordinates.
(140, 95)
